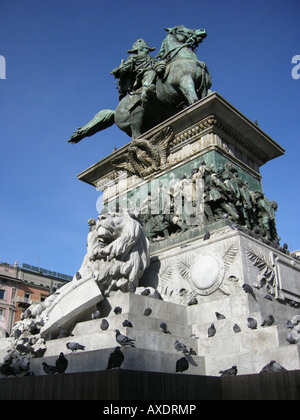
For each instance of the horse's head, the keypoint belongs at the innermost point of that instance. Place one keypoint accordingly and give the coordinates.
(185, 35)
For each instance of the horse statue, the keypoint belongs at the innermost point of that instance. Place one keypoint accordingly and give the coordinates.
(154, 89)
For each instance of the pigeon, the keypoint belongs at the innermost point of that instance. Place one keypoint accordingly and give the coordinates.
(193, 301)
(182, 364)
(220, 316)
(211, 331)
(64, 333)
(78, 276)
(7, 370)
(291, 339)
(74, 346)
(50, 370)
(104, 325)
(123, 340)
(192, 352)
(273, 367)
(248, 289)
(229, 372)
(236, 328)
(118, 310)
(180, 347)
(17, 333)
(61, 363)
(206, 236)
(147, 311)
(96, 314)
(268, 321)
(290, 324)
(116, 358)
(132, 288)
(164, 328)
(127, 323)
(252, 323)
(157, 295)
(145, 292)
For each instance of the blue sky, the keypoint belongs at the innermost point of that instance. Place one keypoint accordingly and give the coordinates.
(59, 55)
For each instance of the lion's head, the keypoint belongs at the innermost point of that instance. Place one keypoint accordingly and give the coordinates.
(118, 250)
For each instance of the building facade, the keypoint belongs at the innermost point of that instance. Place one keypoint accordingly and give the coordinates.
(22, 286)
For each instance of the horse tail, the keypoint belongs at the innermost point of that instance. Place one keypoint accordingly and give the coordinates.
(104, 119)
(206, 83)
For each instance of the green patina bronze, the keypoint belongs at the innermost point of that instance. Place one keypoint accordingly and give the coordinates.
(154, 89)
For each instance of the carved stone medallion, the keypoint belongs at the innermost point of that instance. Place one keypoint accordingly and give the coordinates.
(206, 273)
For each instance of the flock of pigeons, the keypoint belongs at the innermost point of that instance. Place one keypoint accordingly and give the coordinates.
(116, 358)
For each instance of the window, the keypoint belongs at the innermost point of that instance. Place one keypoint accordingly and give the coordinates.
(1, 315)
(27, 297)
(2, 293)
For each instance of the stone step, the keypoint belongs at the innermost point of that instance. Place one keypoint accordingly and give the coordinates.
(224, 327)
(141, 321)
(243, 342)
(144, 339)
(136, 304)
(251, 362)
(134, 359)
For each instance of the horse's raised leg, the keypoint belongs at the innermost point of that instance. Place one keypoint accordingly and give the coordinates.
(187, 87)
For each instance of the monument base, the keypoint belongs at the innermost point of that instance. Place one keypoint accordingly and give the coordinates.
(126, 385)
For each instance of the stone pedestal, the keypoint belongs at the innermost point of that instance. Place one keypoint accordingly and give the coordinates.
(200, 260)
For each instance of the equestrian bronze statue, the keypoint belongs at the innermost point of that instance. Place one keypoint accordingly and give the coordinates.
(153, 89)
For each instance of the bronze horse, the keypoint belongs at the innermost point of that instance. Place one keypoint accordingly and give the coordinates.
(183, 81)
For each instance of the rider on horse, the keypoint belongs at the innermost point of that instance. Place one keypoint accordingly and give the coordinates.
(138, 71)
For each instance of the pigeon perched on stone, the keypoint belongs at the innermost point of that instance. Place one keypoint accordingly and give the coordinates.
(61, 363)
(131, 288)
(291, 339)
(182, 365)
(248, 289)
(206, 236)
(50, 370)
(192, 352)
(157, 295)
(147, 311)
(219, 316)
(118, 310)
(180, 347)
(7, 370)
(229, 372)
(268, 321)
(116, 358)
(273, 367)
(75, 346)
(127, 323)
(104, 324)
(96, 314)
(193, 301)
(78, 276)
(164, 328)
(236, 328)
(145, 292)
(252, 323)
(63, 332)
(123, 340)
(17, 332)
(211, 331)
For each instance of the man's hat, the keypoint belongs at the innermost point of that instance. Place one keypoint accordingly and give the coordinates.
(138, 45)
